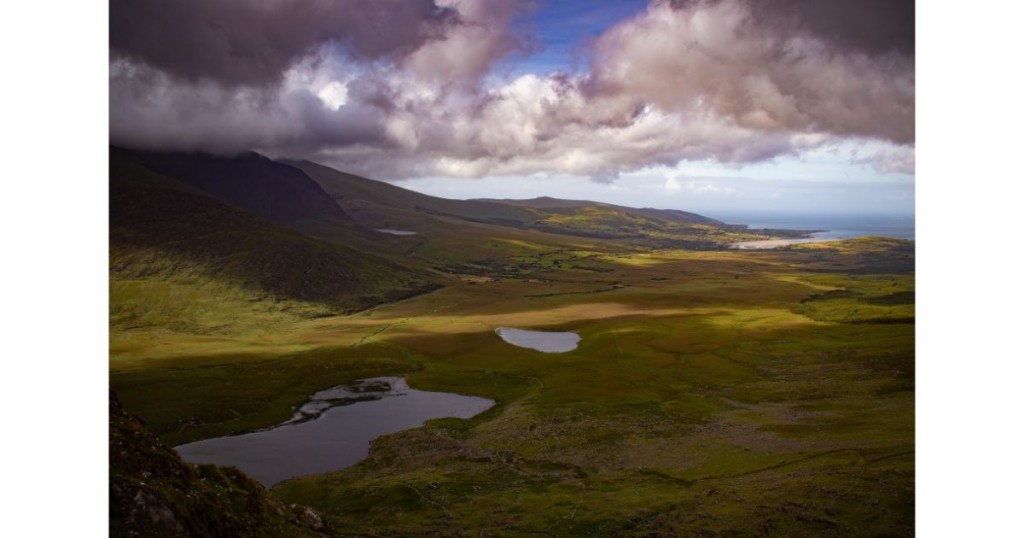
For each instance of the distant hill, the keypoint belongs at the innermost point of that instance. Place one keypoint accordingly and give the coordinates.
(381, 205)
(671, 215)
(161, 227)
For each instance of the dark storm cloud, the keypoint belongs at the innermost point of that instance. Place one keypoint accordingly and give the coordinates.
(229, 75)
(153, 110)
(242, 42)
(871, 26)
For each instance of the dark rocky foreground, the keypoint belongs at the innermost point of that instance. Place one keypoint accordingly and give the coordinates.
(154, 493)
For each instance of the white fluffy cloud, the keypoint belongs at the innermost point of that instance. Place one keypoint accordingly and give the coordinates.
(703, 81)
(718, 57)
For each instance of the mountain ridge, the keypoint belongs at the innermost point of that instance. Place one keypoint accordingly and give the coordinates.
(249, 181)
(379, 204)
(548, 202)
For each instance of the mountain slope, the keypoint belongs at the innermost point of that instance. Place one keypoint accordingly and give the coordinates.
(161, 229)
(381, 205)
(377, 204)
(249, 181)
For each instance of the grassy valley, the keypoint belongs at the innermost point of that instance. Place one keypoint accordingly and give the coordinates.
(715, 392)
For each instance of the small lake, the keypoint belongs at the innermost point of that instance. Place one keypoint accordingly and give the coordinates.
(332, 430)
(548, 342)
(393, 231)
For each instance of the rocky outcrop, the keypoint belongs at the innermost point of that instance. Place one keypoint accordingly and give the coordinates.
(153, 493)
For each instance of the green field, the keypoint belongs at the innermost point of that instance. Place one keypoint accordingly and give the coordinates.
(714, 393)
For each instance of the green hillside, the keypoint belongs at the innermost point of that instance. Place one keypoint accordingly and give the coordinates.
(169, 241)
(671, 215)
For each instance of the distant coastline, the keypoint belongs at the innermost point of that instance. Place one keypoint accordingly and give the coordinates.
(821, 227)
(842, 226)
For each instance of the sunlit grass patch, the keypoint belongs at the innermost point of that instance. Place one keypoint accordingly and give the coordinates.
(859, 299)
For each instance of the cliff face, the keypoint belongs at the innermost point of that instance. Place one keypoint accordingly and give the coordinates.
(154, 493)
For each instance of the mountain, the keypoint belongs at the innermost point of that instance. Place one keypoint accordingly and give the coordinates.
(262, 233)
(249, 181)
(377, 204)
(164, 228)
(380, 205)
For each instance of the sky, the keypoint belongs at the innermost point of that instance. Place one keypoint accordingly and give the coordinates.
(701, 105)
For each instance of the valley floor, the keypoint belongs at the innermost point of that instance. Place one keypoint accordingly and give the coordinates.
(719, 393)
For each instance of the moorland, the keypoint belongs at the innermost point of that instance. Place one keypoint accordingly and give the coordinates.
(714, 391)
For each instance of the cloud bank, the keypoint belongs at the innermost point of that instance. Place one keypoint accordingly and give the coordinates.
(398, 89)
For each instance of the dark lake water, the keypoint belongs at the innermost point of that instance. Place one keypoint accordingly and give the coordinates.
(332, 430)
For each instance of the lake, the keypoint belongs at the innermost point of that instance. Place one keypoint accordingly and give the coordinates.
(546, 341)
(332, 430)
(393, 231)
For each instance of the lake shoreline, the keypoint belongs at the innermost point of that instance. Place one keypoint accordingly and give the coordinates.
(333, 430)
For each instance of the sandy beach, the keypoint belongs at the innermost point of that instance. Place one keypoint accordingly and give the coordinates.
(775, 243)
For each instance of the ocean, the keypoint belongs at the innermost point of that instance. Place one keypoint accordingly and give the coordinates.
(832, 226)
